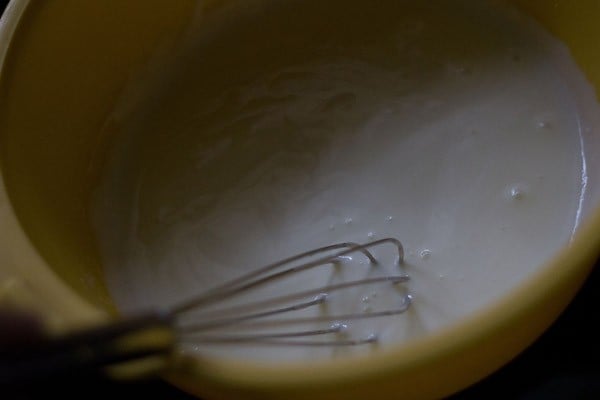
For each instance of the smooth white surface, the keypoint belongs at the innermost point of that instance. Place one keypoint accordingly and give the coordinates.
(463, 139)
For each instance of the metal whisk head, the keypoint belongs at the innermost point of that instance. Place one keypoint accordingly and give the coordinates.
(213, 325)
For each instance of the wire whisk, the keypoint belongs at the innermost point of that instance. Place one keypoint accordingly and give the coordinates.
(300, 300)
(210, 318)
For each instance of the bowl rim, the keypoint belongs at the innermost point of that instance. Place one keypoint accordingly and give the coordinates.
(24, 272)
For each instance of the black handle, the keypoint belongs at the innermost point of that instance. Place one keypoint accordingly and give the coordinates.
(84, 352)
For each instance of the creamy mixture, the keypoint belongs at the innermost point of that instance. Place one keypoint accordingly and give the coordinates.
(454, 126)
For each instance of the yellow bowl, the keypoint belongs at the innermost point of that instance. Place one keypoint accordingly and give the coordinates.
(63, 65)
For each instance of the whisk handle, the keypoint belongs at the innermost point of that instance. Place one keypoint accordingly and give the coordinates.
(86, 351)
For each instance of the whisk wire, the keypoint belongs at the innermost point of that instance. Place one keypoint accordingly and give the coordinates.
(321, 293)
(254, 314)
(246, 282)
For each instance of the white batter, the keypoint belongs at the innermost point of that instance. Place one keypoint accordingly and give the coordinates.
(452, 126)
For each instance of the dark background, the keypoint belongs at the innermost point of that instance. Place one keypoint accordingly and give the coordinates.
(564, 363)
